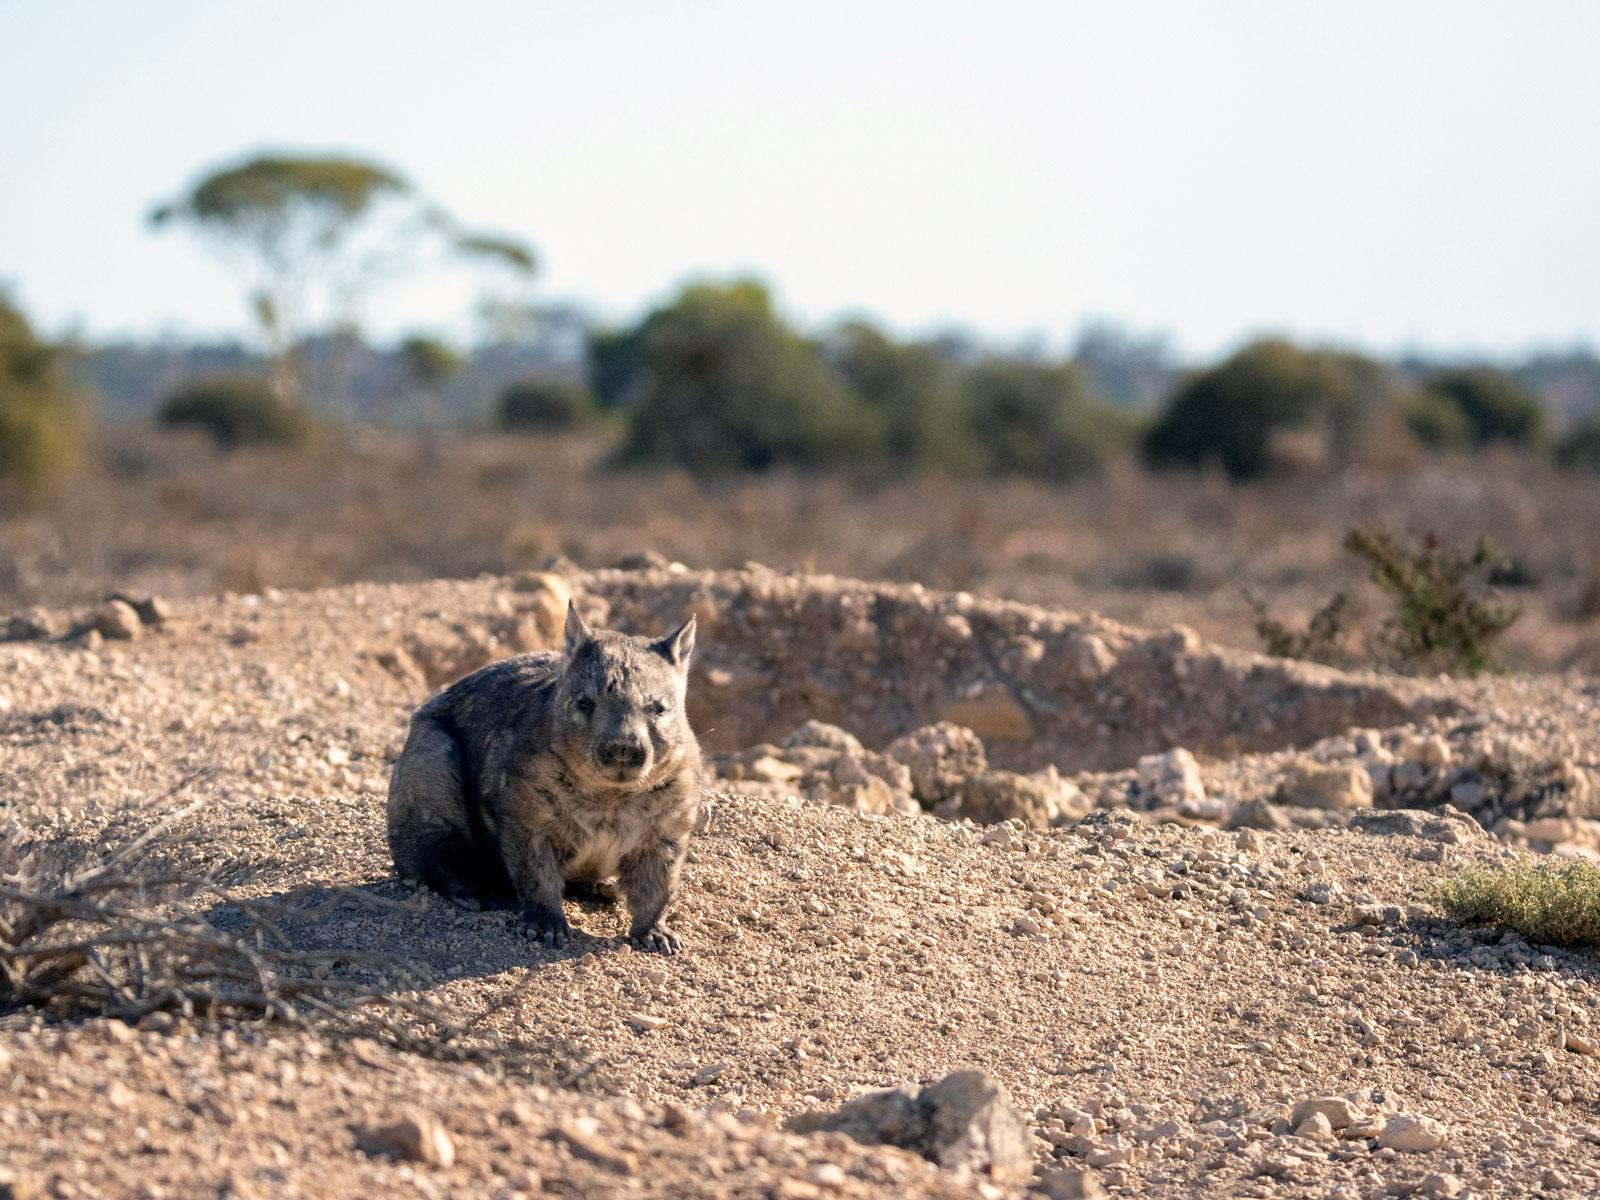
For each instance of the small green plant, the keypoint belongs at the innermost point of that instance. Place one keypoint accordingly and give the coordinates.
(1323, 640)
(237, 410)
(1547, 904)
(1445, 618)
(544, 404)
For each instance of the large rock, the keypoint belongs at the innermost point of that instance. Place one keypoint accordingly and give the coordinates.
(965, 1123)
(941, 758)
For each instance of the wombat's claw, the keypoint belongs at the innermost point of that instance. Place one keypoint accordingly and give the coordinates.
(659, 940)
(552, 936)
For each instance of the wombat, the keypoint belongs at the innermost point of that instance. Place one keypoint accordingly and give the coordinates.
(548, 773)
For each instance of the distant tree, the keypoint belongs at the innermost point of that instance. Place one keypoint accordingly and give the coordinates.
(1038, 418)
(41, 419)
(1230, 413)
(549, 405)
(913, 391)
(716, 381)
(1495, 407)
(236, 410)
(310, 229)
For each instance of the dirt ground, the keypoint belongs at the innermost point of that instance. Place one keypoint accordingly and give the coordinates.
(1163, 988)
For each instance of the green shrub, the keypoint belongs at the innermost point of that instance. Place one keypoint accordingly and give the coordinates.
(716, 381)
(1444, 616)
(1495, 407)
(1549, 904)
(913, 392)
(550, 405)
(41, 419)
(1228, 414)
(1039, 419)
(236, 410)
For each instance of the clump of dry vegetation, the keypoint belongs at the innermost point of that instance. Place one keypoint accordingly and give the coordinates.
(126, 933)
(1548, 905)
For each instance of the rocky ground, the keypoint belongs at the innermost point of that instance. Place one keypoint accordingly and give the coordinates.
(1172, 900)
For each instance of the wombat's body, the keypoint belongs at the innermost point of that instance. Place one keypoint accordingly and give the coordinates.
(549, 770)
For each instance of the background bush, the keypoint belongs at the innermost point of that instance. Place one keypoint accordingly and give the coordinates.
(913, 392)
(1493, 406)
(1229, 414)
(1039, 419)
(715, 381)
(236, 410)
(41, 419)
(551, 405)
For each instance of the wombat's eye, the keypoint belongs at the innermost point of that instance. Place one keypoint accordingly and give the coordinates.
(584, 705)
(655, 708)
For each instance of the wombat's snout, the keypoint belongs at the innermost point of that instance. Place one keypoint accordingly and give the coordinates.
(622, 754)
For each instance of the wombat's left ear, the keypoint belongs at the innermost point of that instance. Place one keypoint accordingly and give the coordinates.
(678, 645)
(576, 632)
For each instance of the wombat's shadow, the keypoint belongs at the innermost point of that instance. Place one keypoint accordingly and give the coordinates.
(421, 936)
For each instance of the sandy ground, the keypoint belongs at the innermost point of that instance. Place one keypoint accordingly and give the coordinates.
(1156, 998)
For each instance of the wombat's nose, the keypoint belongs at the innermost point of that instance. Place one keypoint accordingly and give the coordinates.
(625, 753)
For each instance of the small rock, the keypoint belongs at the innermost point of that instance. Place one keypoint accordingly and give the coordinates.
(1249, 840)
(1578, 1044)
(1441, 1184)
(582, 1136)
(824, 736)
(116, 620)
(29, 625)
(643, 1022)
(1321, 891)
(1258, 814)
(1430, 750)
(1336, 789)
(1339, 1112)
(415, 1137)
(641, 560)
(1412, 1134)
(1070, 1183)
(1171, 778)
(1316, 1125)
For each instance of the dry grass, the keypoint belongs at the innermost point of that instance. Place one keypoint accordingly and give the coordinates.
(168, 514)
(1549, 904)
(125, 934)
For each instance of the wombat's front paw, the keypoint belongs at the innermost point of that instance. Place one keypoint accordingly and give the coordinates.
(551, 931)
(658, 939)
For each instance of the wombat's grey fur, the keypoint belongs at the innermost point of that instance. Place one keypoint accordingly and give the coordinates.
(548, 770)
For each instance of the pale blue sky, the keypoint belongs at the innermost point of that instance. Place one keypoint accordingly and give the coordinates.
(1388, 174)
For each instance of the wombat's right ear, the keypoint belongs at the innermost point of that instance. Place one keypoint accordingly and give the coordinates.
(577, 633)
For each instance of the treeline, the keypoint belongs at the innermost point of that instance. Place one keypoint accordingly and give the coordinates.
(716, 381)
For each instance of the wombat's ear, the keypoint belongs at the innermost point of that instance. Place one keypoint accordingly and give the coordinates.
(678, 645)
(577, 633)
